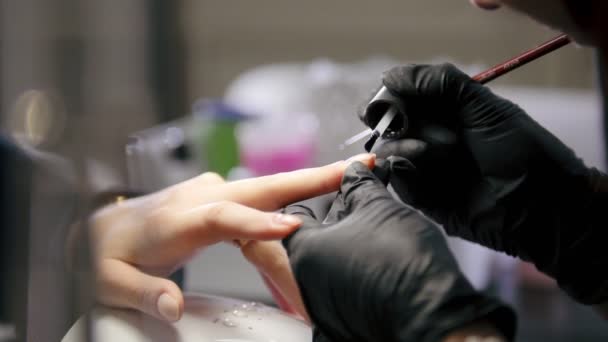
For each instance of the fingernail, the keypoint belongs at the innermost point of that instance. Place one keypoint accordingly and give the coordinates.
(239, 243)
(168, 307)
(364, 157)
(283, 220)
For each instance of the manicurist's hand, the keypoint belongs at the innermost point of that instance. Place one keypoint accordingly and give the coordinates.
(140, 241)
(503, 181)
(375, 269)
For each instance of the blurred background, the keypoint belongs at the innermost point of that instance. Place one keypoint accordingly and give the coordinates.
(147, 93)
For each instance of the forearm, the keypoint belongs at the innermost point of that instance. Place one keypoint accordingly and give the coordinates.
(562, 231)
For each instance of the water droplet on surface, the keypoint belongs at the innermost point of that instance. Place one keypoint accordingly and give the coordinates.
(229, 323)
(251, 307)
(239, 313)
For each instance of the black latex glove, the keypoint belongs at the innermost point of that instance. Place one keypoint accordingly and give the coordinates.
(375, 269)
(507, 183)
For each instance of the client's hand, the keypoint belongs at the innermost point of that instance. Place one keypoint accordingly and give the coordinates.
(374, 269)
(140, 241)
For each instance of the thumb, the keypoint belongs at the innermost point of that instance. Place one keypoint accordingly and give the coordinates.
(360, 187)
(405, 148)
(340, 209)
(124, 286)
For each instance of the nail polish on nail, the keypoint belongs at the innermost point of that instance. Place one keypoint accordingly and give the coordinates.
(283, 220)
(168, 307)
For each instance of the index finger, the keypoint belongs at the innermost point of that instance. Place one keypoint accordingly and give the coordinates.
(276, 191)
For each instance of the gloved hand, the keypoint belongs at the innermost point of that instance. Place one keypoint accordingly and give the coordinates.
(375, 269)
(507, 183)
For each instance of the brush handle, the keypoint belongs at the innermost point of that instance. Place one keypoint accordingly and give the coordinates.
(522, 59)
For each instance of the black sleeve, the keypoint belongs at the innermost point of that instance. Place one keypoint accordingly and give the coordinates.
(15, 182)
(39, 204)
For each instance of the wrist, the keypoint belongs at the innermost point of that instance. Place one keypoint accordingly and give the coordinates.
(463, 316)
(78, 234)
(478, 331)
(602, 310)
(105, 211)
